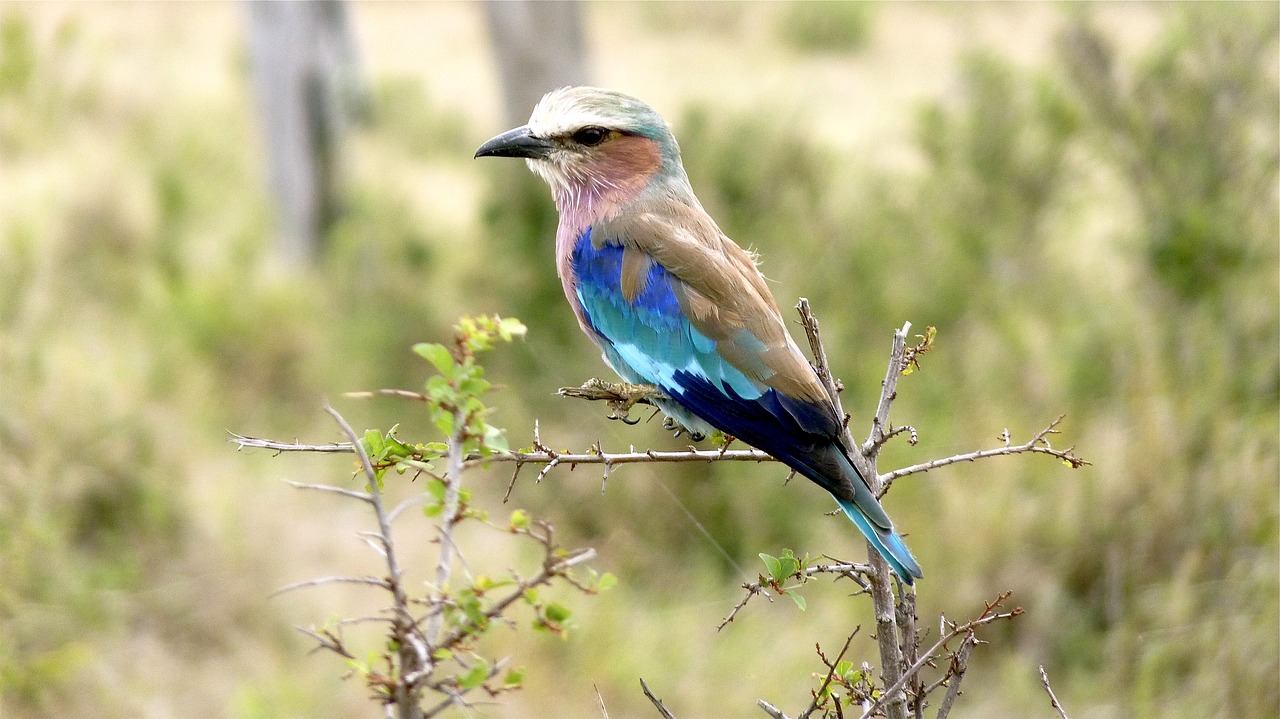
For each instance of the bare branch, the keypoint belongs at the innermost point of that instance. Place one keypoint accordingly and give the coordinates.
(988, 616)
(362, 496)
(865, 461)
(401, 393)
(242, 441)
(1038, 444)
(1053, 700)
(327, 640)
(321, 581)
(656, 701)
(771, 710)
(955, 673)
(404, 695)
(452, 489)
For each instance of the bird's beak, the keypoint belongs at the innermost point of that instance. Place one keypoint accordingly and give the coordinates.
(519, 142)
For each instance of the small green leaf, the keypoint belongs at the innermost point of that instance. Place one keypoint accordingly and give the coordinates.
(773, 565)
(799, 600)
(514, 678)
(475, 386)
(436, 488)
(373, 442)
(607, 581)
(557, 613)
(475, 676)
(437, 355)
(519, 519)
(509, 327)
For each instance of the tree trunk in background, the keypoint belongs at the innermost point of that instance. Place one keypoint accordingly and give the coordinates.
(308, 83)
(539, 47)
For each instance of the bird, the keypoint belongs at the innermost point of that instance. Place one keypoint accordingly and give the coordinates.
(673, 302)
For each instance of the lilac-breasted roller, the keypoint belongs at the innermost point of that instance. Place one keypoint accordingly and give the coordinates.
(673, 302)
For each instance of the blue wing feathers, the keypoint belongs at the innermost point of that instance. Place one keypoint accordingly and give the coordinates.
(649, 339)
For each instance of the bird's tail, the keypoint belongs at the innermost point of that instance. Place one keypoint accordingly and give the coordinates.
(887, 543)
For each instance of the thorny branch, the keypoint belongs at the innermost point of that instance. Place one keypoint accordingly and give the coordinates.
(666, 714)
(880, 578)
(405, 695)
(989, 615)
(831, 674)
(874, 578)
(417, 644)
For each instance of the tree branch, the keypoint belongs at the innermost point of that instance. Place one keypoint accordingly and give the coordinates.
(880, 578)
(988, 616)
(1038, 443)
(1053, 700)
(405, 696)
(656, 701)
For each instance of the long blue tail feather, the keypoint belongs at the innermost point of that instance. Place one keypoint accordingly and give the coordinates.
(888, 544)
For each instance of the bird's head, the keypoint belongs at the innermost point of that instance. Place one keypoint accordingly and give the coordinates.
(588, 141)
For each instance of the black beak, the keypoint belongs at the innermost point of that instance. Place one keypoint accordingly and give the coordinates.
(519, 142)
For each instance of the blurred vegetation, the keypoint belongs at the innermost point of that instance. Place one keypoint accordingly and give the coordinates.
(827, 25)
(1096, 235)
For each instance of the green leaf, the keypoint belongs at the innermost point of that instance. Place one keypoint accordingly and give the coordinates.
(475, 676)
(436, 488)
(799, 600)
(773, 565)
(607, 581)
(514, 678)
(509, 327)
(519, 519)
(787, 564)
(373, 442)
(557, 613)
(437, 355)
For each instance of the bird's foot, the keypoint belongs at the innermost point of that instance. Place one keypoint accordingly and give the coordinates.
(671, 424)
(620, 396)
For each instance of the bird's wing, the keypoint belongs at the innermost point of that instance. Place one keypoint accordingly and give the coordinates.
(679, 305)
(720, 291)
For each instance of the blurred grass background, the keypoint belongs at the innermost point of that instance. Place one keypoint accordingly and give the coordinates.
(1083, 199)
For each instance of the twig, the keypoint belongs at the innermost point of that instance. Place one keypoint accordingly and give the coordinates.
(888, 393)
(955, 672)
(401, 393)
(988, 615)
(831, 673)
(1038, 443)
(853, 571)
(1044, 680)
(321, 581)
(656, 701)
(771, 710)
(362, 496)
(405, 696)
(865, 461)
(452, 487)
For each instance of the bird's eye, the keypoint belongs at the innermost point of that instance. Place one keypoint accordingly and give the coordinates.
(590, 136)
